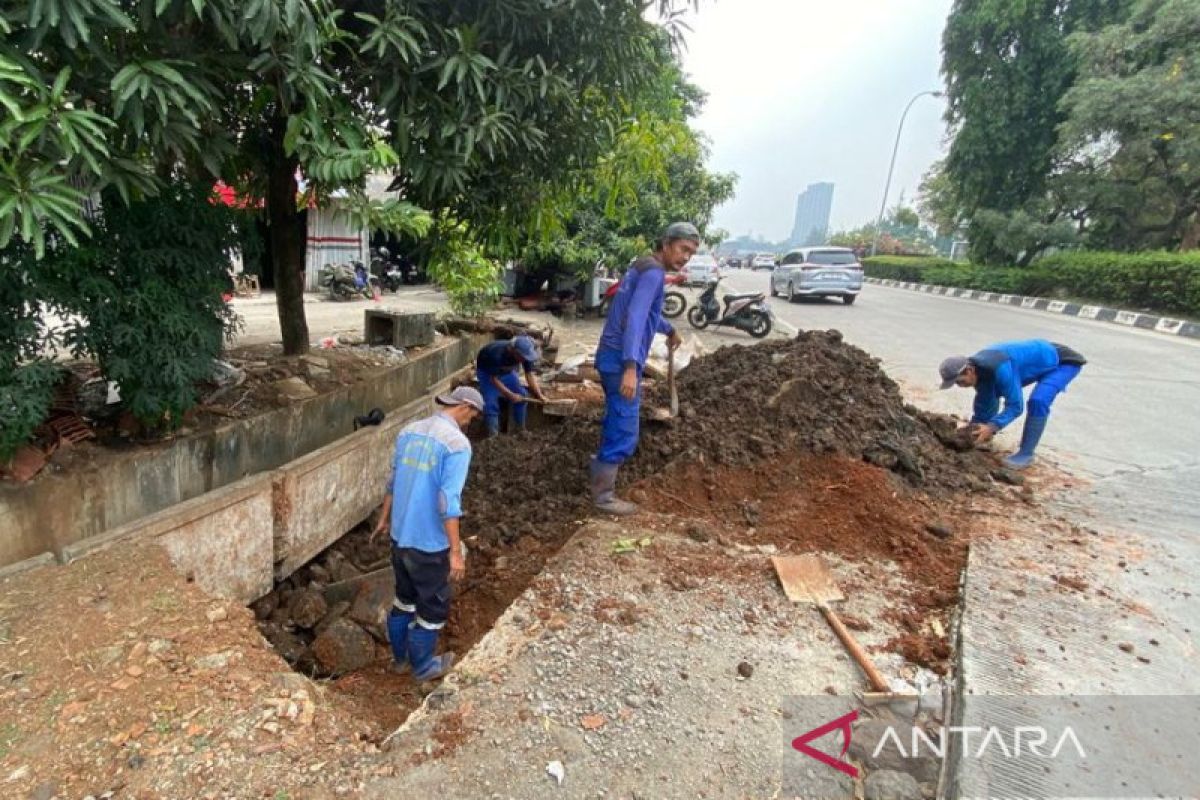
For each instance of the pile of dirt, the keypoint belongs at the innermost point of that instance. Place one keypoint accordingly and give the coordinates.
(806, 442)
(812, 394)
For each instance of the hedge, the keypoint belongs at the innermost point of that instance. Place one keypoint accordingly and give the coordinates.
(1158, 281)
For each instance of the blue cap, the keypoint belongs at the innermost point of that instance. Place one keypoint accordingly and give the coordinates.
(525, 348)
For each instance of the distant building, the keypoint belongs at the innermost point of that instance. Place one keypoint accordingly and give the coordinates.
(812, 215)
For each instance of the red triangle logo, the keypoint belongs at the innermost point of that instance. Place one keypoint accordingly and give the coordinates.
(841, 723)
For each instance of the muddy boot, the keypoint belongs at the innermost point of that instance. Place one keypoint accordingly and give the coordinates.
(604, 490)
(425, 665)
(1030, 436)
(398, 622)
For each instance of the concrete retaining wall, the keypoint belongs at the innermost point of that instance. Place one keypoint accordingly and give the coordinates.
(237, 540)
(54, 512)
(326, 493)
(222, 540)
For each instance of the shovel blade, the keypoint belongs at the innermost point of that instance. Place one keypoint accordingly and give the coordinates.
(806, 579)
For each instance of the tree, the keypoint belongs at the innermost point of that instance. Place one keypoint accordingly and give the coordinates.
(482, 103)
(654, 174)
(1131, 138)
(1007, 65)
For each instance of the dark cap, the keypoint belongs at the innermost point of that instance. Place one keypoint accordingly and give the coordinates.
(951, 368)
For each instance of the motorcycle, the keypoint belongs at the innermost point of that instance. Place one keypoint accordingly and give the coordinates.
(390, 275)
(346, 281)
(746, 312)
(674, 301)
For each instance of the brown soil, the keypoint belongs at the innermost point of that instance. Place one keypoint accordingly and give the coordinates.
(116, 675)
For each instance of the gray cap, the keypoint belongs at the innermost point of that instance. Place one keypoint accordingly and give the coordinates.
(681, 230)
(951, 368)
(462, 396)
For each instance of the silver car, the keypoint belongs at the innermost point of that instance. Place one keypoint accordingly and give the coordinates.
(818, 272)
(701, 270)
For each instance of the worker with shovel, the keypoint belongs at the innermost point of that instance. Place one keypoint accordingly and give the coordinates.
(421, 510)
(496, 370)
(998, 375)
(633, 320)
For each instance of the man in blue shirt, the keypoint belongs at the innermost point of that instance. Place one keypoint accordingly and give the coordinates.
(998, 375)
(496, 370)
(421, 509)
(632, 322)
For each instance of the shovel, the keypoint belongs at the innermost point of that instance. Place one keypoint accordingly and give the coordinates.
(671, 382)
(667, 414)
(806, 579)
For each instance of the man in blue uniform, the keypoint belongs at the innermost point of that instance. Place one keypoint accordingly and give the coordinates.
(421, 509)
(632, 322)
(998, 375)
(496, 370)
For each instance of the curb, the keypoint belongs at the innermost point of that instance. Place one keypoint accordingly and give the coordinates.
(1130, 319)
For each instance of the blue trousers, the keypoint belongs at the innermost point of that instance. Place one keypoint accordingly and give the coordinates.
(1050, 386)
(492, 399)
(619, 430)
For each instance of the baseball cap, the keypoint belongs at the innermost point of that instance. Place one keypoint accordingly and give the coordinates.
(525, 348)
(951, 368)
(462, 396)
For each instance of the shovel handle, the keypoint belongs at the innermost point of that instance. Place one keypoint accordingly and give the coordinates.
(874, 677)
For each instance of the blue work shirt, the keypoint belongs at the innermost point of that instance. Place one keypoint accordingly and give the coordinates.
(429, 471)
(499, 358)
(636, 313)
(1003, 369)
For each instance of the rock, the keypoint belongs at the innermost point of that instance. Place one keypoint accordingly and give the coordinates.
(307, 608)
(1009, 477)
(634, 701)
(265, 606)
(45, 791)
(293, 389)
(343, 647)
(371, 606)
(159, 646)
(284, 642)
(217, 614)
(1125, 647)
(320, 362)
(216, 661)
(939, 529)
(698, 533)
(868, 734)
(745, 669)
(315, 372)
(890, 785)
(336, 611)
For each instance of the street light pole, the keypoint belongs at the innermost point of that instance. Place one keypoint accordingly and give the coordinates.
(892, 166)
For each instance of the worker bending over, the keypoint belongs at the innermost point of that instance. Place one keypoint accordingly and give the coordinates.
(998, 375)
(496, 370)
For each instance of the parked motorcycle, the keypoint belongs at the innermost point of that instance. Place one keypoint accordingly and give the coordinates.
(674, 302)
(746, 312)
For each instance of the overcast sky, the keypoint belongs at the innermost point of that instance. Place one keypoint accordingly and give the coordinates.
(801, 91)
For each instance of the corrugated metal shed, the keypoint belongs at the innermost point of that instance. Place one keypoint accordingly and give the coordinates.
(332, 239)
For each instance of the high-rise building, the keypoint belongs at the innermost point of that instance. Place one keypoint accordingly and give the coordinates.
(812, 215)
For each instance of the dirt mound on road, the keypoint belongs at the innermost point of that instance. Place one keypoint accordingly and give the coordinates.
(812, 394)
